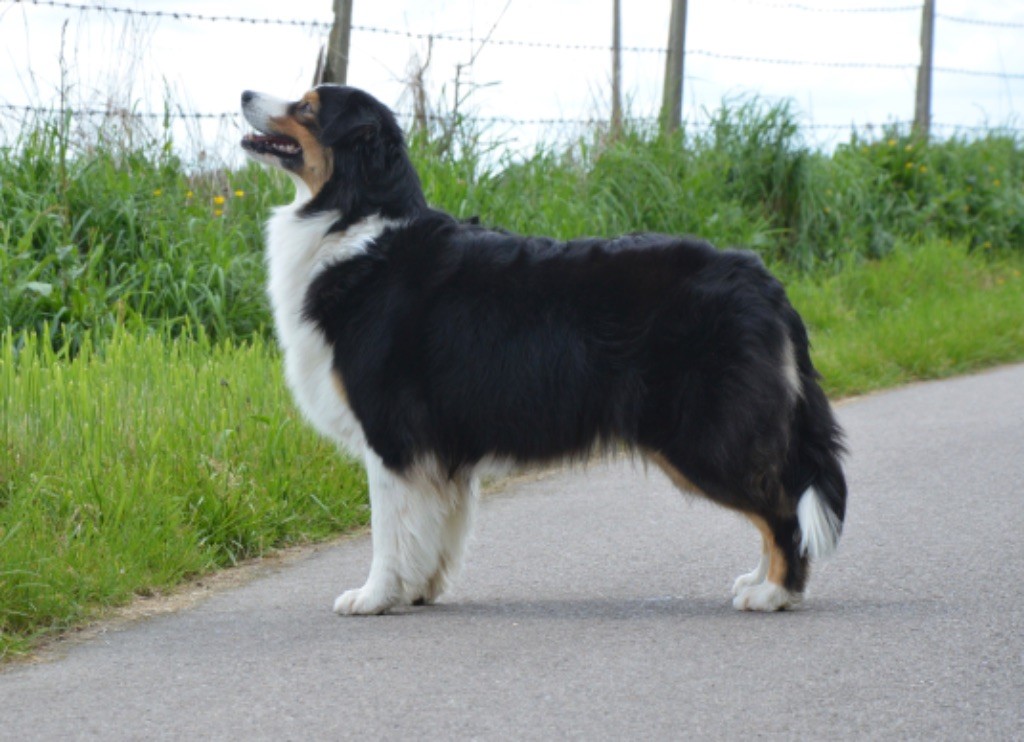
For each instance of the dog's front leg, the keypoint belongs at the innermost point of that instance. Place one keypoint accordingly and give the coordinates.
(389, 497)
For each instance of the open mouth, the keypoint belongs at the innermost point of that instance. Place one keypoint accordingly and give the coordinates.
(277, 145)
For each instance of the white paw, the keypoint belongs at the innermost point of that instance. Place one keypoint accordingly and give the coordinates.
(748, 580)
(366, 601)
(766, 596)
(751, 578)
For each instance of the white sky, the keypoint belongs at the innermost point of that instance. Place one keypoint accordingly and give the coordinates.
(203, 66)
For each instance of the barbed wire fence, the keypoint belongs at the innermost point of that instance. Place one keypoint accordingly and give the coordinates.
(324, 26)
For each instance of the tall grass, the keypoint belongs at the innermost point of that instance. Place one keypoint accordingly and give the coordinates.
(111, 236)
(144, 461)
(750, 180)
(102, 235)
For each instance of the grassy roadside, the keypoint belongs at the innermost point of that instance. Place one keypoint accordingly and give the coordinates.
(150, 460)
(144, 463)
(921, 313)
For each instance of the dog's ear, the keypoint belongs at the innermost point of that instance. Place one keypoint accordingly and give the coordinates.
(356, 127)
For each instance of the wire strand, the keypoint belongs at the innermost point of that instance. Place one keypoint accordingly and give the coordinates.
(457, 38)
(979, 21)
(189, 16)
(847, 9)
(506, 120)
(324, 25)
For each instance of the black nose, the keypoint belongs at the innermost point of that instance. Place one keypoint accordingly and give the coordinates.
(247, 96)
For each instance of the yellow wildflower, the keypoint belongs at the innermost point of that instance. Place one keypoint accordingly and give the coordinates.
(189, 194)
(997, 182)
(239, 194)
(218, 200)
(158, 192)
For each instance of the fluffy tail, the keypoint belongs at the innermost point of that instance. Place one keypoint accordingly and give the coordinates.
(814, 471)
(820, 526)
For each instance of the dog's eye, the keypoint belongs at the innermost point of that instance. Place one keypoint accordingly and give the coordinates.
(305, 109)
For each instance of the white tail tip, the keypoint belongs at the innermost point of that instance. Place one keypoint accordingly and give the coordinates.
(819, 526)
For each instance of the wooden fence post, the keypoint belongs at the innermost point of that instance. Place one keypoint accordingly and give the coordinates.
(335, 68)
(672, 99)
(923, 100)
(616, 68)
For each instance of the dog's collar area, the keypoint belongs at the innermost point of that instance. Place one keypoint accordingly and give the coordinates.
(271, 144)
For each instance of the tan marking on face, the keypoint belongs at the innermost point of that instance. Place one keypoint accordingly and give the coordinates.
(777, 564)
(317, 160)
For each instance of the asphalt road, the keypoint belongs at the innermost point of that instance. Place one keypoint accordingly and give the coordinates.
(596, 605)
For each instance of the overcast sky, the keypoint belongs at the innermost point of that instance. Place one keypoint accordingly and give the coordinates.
(203, 66)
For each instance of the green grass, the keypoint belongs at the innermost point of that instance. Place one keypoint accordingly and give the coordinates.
(146, 435)
(145, 462)
(103, 234)
(751, 180)
(105, 237)
(923, 312)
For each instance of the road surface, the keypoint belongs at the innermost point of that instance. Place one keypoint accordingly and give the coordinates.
(596, 605)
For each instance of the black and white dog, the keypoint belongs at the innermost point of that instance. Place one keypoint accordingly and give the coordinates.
(431, 348)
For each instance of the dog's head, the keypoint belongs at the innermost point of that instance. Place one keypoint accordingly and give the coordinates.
(343, 148)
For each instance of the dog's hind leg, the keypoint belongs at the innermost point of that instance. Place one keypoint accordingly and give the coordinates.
(778, 581)
(757, 576)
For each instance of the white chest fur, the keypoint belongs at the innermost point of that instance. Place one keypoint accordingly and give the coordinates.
(298, 249)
